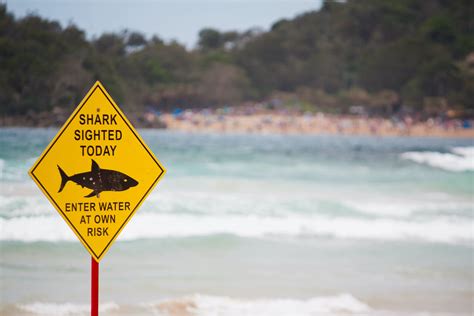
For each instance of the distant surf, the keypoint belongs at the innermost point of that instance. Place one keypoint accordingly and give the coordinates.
(458, 160)
(152, 226)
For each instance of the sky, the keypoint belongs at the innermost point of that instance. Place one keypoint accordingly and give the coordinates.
(178, 20)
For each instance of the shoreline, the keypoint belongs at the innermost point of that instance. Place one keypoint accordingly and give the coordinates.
(315, 124)
(282, 123)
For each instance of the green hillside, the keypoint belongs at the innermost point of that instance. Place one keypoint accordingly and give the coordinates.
(386, 56)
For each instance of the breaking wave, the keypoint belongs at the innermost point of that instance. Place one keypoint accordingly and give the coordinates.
(209, 305)
(64, 309)
(206, 305)
(153, 226)
(460, 159)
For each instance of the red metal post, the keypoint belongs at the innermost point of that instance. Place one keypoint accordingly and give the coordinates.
(94, 287)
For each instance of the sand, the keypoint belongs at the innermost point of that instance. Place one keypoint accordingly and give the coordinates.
(313, 124)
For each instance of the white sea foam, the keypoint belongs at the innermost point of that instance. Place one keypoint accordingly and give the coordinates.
(152, 226)
(439, 230)
(18, 205)
(35, 228)
(461, 159)
(205, 305)
(464, 151)
(65, 309)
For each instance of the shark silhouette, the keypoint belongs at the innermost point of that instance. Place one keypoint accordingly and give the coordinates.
(98, 180)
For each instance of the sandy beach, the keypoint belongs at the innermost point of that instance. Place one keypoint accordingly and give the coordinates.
(313, 124)
(256, 119)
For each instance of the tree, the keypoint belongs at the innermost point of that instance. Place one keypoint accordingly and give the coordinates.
(209, 39)
(136, 39)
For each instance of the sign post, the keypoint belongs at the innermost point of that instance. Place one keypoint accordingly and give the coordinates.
(96, 172)
(94, 287)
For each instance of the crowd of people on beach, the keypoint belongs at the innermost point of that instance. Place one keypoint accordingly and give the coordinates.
(259, 118)
(265, 118)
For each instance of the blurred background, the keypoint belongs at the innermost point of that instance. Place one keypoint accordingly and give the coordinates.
(412, 56)
(319, 155)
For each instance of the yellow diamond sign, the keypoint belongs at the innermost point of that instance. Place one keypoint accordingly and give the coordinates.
(97, 171)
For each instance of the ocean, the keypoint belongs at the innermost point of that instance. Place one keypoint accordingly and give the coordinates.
(256, 225)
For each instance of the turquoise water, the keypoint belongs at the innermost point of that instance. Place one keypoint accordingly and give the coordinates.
(257, 225)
